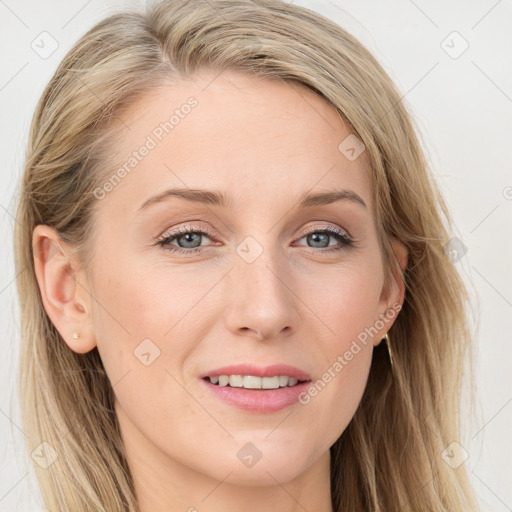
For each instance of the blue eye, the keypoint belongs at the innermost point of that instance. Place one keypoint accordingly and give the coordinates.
(192, 240)
(189, 240)
(320, 236)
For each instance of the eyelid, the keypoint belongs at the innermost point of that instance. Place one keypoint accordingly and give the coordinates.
(327, 227)
(175, 232)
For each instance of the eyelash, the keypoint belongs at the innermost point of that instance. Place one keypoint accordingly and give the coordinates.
(346, 241)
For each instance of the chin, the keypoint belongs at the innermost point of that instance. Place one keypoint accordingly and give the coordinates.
(263, 474)
(251, 466)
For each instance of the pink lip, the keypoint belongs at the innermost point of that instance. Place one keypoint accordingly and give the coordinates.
(257, 371)
(258, 400)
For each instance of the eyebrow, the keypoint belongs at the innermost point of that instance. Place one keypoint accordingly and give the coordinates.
(217, 198)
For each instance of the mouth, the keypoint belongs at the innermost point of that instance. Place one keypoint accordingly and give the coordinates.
(257, 389)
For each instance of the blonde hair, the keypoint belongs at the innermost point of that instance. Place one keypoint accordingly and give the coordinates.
(389, 456)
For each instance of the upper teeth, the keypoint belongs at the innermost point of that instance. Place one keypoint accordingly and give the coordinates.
(252, 382)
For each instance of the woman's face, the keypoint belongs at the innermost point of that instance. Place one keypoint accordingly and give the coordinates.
(268, 277)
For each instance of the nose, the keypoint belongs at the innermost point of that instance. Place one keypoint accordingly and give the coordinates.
(262, 302)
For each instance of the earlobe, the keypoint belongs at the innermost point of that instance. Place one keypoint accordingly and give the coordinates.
(64, 297)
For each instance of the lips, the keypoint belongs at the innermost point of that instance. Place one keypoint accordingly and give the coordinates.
(258, 371)
(258, 400)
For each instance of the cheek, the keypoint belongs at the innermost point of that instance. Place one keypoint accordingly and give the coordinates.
(146, 323)
(347, 308)
(345, 300)
(333, 397)
(130, 318)
(134, 319)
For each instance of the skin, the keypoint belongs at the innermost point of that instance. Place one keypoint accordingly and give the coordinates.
(263, 143)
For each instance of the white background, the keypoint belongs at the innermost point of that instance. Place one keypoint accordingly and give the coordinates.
(463, 107)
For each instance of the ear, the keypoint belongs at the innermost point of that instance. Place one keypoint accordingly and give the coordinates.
(393, 293)
(61, 282)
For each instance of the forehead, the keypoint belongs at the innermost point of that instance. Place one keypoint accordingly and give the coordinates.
(255, 138)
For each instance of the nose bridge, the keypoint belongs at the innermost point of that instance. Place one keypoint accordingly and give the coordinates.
(260, 298)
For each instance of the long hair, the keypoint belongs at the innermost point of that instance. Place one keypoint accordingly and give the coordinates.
(389, 458)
